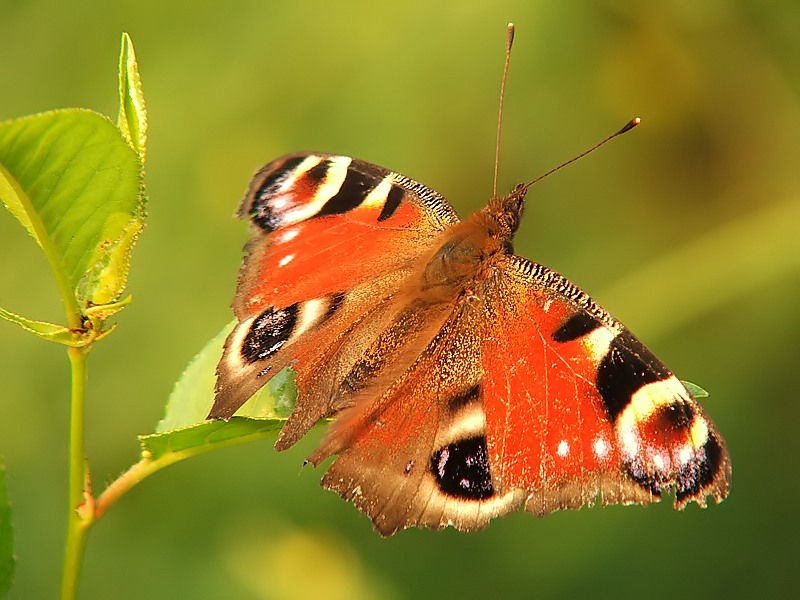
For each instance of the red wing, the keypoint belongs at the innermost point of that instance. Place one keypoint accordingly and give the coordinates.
(323, 228)
(419, 457)
(530, 395)
(577, 408)
(323, 224)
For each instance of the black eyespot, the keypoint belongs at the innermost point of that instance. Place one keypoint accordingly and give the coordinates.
(461, 469)
(260, 209)
(271, 330)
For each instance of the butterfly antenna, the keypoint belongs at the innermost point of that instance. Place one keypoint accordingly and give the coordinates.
(628, 126)
(509, 42)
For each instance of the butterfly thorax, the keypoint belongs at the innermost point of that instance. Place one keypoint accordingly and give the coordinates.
(470, 250)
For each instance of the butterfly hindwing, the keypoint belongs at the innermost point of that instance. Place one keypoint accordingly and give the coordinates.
(420, 456)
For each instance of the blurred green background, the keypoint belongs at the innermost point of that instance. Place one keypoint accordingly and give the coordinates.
(686, 229)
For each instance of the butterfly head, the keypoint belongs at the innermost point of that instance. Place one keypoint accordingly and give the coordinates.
(505, 213)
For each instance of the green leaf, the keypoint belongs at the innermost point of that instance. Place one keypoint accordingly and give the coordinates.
(7, 561)
(50, 331)
(171, 446)
(159, 450)
(132, 120)
(74, 183)
(695, 390)
(184, 432)
(193, 395)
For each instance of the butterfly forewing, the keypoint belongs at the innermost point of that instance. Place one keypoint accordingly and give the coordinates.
(578, 409)
(322, 226)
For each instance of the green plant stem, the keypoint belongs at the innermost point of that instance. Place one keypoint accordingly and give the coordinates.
(149, 464)
(136, 473)
(79, 520)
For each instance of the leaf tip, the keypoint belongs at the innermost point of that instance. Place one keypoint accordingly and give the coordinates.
(132, 120)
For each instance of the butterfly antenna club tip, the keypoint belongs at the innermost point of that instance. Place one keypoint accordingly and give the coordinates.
(625, 128)
(628, 126)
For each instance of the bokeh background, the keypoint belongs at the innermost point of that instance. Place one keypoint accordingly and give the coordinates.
(687, 229)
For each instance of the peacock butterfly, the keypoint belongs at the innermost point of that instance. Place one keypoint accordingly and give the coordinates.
(464, 381)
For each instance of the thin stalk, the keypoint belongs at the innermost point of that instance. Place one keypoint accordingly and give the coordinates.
(134, 475)
(78, 521)
(149, 464)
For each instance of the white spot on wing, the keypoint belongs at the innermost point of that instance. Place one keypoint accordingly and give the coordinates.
(563, 448)
(658, 461)
(685, 454)
(377, 197)
(286, 260)
(309, 314)
(234, 359)
(598, 341)
(288, 235)
(628, 435)
(334, 178)
(601, 448)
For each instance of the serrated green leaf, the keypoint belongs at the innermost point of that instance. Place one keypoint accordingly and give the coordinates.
(7, 561)
(132, 120)
(50, 331)
(193, 395)
(74, 183)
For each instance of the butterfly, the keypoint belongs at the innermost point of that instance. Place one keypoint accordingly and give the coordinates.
(464, 381)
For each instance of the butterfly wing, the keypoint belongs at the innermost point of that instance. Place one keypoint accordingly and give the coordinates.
(530, 395)
(420, 456)
(577, 408)
(466, 381)
(333, 239)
